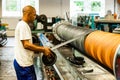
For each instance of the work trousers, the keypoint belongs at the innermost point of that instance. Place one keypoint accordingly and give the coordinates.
(24, 73)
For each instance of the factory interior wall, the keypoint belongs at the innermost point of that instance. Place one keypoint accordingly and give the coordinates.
(52, 8)
(0, 8)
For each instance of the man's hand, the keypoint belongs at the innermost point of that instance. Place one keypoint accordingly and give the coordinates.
(47, 51)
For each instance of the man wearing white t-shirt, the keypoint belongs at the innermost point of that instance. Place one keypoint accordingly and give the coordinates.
(24, 49)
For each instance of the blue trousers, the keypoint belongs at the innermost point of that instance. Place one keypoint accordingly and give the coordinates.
(24, 73)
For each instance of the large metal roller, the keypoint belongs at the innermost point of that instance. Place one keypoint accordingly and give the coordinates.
(66, 31)
(102, 46)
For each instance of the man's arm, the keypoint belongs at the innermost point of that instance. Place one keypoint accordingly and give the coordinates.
(32, 47)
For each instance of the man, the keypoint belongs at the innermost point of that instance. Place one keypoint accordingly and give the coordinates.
(24, 49)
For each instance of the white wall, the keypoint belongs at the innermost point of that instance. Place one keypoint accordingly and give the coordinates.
(12, 22)
(50, 7)
(109, 5)
(118, 9)
(53, 8)
(0, 8)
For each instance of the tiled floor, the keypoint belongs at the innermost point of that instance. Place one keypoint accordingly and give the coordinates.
(6, 58)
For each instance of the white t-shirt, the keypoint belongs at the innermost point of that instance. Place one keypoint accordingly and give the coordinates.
(23, 56)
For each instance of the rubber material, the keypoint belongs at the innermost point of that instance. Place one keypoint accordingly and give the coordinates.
(102, 46)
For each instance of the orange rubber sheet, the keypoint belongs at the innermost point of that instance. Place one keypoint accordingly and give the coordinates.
(102, 46)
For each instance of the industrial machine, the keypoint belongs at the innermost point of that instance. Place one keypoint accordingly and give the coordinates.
(92, 56)
(45, 21)
(3, 36)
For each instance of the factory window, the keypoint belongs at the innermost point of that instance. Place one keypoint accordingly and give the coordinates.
(13, 8)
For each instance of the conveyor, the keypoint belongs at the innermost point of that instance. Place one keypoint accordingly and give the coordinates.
(99, 49)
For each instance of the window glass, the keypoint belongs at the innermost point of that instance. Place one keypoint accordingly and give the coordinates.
(87, 7)
(13, 8)
(11, 5)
